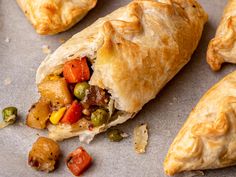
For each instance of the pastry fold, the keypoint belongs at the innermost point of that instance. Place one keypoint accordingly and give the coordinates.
(207, 140)
(54, 16)
(222, 48)
(135, 51)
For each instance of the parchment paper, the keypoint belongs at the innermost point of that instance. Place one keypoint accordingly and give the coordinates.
(21, 54)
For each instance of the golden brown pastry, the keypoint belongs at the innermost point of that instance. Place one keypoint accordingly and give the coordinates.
(134, 52)
(208, 138)
(222, 48)
(44, 154)
(54, 16)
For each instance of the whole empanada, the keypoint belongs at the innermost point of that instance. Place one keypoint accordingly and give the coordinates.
(54, 16)
(207, 140)
(134, 52)
(222, 48)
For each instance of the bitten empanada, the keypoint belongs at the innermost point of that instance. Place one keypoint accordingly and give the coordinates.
(132, 53)
(54, 16)
(222, 49)
(207, 140)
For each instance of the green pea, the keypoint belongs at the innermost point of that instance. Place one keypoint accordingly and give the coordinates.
(99, 117)
(114, 135)
(80, 90)
(9, 114)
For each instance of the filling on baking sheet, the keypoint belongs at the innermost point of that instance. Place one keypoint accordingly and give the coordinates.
(67, 98)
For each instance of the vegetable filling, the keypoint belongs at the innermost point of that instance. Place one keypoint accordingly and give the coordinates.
(68, 98)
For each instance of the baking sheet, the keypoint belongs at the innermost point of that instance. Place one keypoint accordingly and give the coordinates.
(22, 54)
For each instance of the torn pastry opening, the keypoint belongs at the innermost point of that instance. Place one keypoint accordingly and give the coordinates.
(70, 106)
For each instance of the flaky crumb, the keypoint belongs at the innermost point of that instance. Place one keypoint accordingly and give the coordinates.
(7, 81)
(4, 124)
(124, 135)
(21, 124)
(7, 39)
(193, 173)
(140, 138)
(62, 40)
(46, 49)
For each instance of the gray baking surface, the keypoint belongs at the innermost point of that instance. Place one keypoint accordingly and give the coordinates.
(165, 115)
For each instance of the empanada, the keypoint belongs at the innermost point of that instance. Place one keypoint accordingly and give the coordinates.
(207, 140)
(133, 53)
(54, 16)
(222, 48)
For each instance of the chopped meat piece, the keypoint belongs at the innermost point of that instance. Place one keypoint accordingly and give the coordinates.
(96, 96)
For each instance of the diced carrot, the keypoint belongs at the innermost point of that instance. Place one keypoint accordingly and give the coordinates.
(73, 114)
(78, 161)
(76, 70)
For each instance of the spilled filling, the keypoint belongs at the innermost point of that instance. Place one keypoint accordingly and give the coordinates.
(68, 98)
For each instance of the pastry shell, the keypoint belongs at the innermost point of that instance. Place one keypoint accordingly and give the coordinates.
(54, 16)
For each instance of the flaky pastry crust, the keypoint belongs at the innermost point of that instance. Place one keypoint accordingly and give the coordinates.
(207, 140)
(54, 16)
(136, 49)
(222, 48)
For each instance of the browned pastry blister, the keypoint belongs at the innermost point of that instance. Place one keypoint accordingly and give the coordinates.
(222, 48)
(135, 51)
(207, 140)
(54, 16)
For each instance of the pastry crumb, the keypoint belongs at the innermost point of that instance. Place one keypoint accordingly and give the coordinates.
(62, 40)
(124, 135)
(21, 124)
(46, 49)
(140, 138)
(193, 173)
(7, 40)
(7, 81)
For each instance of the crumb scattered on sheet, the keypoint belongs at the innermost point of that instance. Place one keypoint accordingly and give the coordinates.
(46, 49)
(62, 40)
(140, 138)
(7, 81)
(193, 173)
(7, 40)
(124, 135)
(4, 124)
(21, 124)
